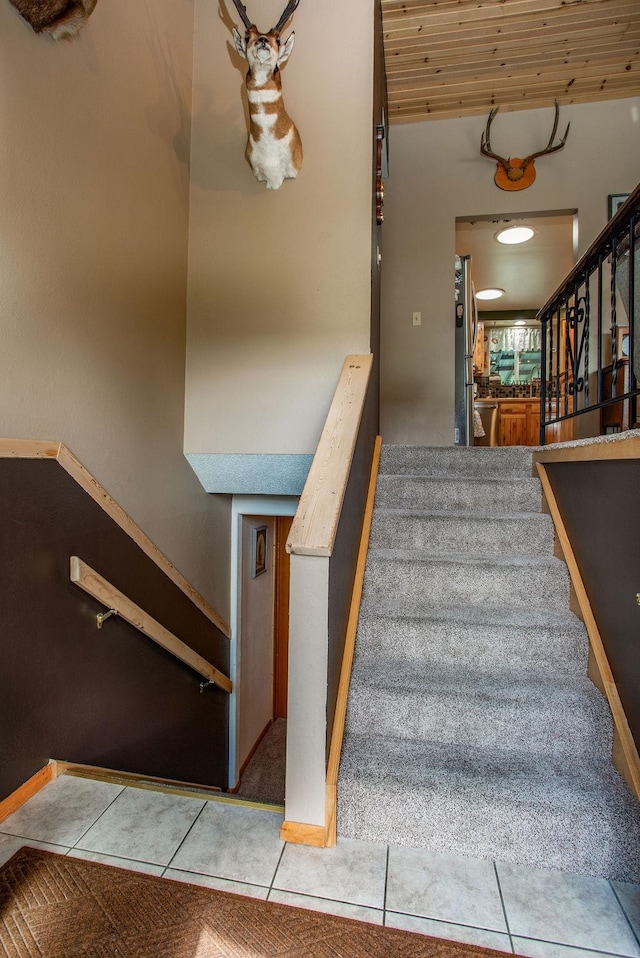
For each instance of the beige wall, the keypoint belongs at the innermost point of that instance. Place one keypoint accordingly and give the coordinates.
(94, 181)
(279, 281)
(436, 174)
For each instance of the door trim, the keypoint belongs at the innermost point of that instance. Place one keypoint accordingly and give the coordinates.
(242, 505)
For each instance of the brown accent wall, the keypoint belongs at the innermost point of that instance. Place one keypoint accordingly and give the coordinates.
(69, 691)
(600, 506)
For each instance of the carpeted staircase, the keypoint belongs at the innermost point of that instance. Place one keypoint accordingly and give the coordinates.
(472, 727)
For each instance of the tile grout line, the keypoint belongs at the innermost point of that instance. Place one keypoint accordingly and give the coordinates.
(386, 885)
(624, 912)
(95, 822)
(275, 871)
(183, 840)
(579, 949)
(504, 908)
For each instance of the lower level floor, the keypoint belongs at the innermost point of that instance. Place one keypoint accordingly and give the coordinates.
(236, 847)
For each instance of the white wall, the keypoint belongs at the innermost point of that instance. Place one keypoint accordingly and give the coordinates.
(437, 174)
(94, 180)
(279, 281)
(256, 627)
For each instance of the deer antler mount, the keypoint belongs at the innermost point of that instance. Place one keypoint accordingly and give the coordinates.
(274, 148)
(515, 173)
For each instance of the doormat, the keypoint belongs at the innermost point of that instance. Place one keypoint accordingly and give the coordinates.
(52, 906)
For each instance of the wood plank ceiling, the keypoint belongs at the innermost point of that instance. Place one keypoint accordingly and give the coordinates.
(453, 58)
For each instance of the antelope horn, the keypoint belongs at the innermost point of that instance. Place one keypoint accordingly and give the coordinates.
(549, 148)
(242, 10)
(485, 143)
(288, 12)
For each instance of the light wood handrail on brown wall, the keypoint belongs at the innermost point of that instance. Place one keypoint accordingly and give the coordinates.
(98, 587)
(316, 521)
(42, 449)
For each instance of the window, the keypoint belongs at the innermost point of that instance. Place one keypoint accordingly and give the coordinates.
(514, 353)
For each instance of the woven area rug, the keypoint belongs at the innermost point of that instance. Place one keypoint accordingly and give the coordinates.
(52, 906)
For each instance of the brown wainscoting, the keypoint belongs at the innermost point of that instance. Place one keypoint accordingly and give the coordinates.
(596, 513)
(109, 697)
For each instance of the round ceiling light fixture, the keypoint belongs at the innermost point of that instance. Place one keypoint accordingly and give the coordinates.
(490, 293)
(512, 235)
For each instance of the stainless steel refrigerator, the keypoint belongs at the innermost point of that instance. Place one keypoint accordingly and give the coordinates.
(466, 332)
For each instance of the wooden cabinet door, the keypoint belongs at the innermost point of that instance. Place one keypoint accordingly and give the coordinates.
(513, 424)
(533, 423)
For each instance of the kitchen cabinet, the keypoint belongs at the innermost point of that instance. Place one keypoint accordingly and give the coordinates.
(519, 422)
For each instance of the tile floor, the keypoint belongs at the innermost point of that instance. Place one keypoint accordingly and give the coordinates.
(236, 847)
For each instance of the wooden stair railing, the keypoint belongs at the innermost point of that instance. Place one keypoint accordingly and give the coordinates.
(95, 585)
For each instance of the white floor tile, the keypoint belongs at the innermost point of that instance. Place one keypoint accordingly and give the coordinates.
(543, 949)
(441, 929)
(565, 908)
(629, 898)
(128, 863)
(221, 884)
(327, 906)
(63, 810)
(352, 871)
(143, 825)
(233, 841)
(444, 887)
(238, 849)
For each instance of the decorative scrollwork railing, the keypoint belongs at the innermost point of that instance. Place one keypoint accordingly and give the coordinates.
(591, 333)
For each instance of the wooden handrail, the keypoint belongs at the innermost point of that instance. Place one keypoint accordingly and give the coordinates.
(315, 524)
(42, 449)
(98, 587)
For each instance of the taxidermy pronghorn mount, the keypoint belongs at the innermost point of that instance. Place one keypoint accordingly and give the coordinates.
(274, 148)
(515, 173)
(61, 19)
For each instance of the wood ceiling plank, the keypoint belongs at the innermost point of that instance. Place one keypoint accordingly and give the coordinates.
(441, 107)
(561, 79)
(459, 57)
(457, 11)
(474, 66)
(530, 32)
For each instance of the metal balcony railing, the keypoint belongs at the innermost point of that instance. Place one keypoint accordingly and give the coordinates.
(591, 335)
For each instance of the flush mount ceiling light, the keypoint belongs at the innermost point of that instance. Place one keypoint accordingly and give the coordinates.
(512, 235)
(489, 293)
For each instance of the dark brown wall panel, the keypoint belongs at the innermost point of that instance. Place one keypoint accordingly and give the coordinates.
(344, 559)
(108, 697)
(600, 506)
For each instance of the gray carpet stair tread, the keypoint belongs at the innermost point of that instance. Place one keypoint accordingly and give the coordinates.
(492, 770)
(512, 461)
(458, 494)
(556, 725)
(425, 557)
(388, 606)
(493, 804)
